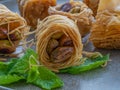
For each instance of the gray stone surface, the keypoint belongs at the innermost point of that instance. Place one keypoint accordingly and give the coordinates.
(107, 78)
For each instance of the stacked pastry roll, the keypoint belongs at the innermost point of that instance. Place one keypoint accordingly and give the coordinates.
(32, 10)
(12, 29)
(106, 30)
(58, 43)
(78, 12)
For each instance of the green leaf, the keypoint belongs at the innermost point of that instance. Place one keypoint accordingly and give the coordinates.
(8, 79)
(23, 64)
(89, 64)
(44, 78)
(32, 74)
(3, 68)
(38, 75)
(6, 66)
(28, 68)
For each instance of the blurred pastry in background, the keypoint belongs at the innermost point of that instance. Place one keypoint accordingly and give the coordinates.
(77, 11)
(105, 32)
(32, 10)
(12, 29)
(93, 4)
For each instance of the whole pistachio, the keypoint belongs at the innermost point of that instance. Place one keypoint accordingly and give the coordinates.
(66, 7)
(61, 54)
(15, 36)
(75, 10)
(52, 44)
(65, 41)
(6, 47)
(57, 35)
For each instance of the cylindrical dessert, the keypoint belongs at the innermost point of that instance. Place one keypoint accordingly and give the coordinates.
(58, 43)
(12, 29)
(32, 10)
(105, 32)
(78, 12)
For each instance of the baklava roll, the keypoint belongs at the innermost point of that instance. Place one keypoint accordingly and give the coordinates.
(105, 32)
(32, 10)
(77, 11)
(12, 29)
(58, 43)
(93, 4)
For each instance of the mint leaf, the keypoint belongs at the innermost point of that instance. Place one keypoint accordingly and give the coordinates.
(6, 66)
(22, 66)
(32, 75)
(44, 78)
(27, 68)
(3, 68)
(8, 79)
(48, 79)
(89, 64)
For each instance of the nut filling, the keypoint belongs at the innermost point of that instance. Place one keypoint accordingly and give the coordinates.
(60, 49)
(68, 7)
(5, 45)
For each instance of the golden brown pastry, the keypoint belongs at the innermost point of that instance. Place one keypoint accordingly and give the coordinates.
(12, 29)
(58, 43)
(93, 4)
(32, 10)
(106, 30)
(77, 11)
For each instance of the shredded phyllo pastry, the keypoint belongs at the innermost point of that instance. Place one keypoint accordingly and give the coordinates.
(58, 43)
(32, 10)
(106, 30)
(77, 11)
(12, 29)
(93, 4)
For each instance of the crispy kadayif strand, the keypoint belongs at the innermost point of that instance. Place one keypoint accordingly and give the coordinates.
(77, 11)
(6, 18)
(49, 27)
